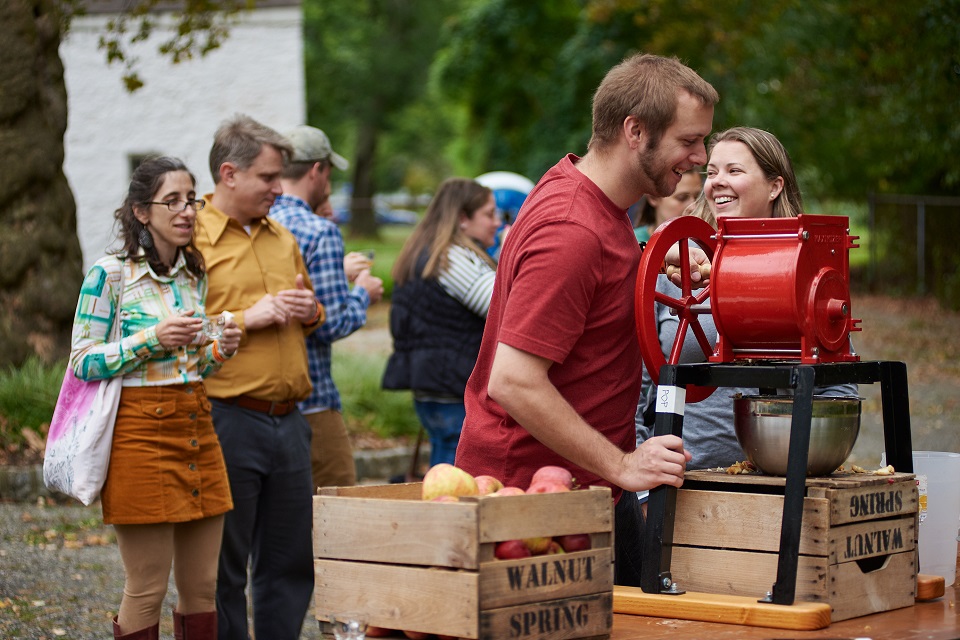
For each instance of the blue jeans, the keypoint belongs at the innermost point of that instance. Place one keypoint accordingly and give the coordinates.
(443, 422)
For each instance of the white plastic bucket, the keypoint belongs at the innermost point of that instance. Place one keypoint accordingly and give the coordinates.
(938, 477)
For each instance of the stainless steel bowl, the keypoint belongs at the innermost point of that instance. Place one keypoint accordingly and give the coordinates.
(762, 424)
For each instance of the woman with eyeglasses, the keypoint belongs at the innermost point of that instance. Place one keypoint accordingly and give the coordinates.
(749, 175)
(166, 489)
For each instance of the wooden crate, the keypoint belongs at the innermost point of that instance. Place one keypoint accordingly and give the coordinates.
(430, 567)
(857, 543)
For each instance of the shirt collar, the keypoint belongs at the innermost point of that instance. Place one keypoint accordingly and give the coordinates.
(139, 267)
(214, 222)
(290, 200)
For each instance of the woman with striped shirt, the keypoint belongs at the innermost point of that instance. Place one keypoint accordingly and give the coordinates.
(166, 489)
(443, 280)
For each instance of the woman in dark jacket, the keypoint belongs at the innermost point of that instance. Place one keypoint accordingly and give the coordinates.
(443, 280)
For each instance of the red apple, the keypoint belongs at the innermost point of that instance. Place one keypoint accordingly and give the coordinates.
(488, 484)
(574, 542)
(379, 632)
(552, 474)
(547, 487)
(509, 491)
(538, 545)
(447, 480)
(511, 550)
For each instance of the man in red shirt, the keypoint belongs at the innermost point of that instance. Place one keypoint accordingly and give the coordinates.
(558, 375)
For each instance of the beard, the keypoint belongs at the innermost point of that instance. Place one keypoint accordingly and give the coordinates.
(659, 177)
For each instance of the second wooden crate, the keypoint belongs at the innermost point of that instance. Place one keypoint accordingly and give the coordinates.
(857, 543)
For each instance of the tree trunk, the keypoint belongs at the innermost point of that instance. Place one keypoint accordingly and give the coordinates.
(40, 258)
(363, 223)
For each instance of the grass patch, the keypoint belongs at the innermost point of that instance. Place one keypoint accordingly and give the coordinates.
(367, 408)
(28, 396)
(386, 247)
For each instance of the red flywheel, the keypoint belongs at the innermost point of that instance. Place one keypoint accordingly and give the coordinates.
(688, 306)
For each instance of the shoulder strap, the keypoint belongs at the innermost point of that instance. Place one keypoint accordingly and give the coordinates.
(115, 329)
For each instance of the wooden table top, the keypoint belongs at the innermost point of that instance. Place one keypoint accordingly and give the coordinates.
(934, 620)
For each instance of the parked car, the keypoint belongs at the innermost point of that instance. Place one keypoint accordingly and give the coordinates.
(383, 215)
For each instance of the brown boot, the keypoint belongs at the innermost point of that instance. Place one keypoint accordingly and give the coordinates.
(195, 626)
(150, 633)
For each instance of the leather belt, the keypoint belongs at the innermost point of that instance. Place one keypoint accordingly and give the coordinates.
(269, 407)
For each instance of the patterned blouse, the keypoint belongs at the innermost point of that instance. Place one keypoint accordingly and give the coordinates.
(147, 298)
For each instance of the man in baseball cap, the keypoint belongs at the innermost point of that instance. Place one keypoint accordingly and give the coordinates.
(312, 145)
(306, 188)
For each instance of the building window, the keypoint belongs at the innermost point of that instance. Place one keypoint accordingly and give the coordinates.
(136, 158)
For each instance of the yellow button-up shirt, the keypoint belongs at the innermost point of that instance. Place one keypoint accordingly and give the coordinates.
(271, 363)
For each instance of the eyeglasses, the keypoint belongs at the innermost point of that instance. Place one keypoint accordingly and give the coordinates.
(176, 206)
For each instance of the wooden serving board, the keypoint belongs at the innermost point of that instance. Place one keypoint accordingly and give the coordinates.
(710, 607)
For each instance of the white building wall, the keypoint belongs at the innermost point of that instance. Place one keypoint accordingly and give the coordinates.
(257, 71)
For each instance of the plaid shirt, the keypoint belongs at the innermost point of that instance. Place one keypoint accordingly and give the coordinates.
(322, 248)
(147, 299)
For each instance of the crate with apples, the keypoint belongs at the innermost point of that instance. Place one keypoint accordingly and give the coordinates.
(463, 557)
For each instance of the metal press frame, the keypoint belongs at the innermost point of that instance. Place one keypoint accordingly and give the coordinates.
(892, 376)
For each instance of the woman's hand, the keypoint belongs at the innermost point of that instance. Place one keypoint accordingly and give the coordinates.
(230, 340)
(178, 331)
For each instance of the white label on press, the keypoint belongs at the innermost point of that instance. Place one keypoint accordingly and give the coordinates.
(922, 491)
(671, 399)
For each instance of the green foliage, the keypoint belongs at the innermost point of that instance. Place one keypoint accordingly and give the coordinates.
(28, 395)
(367, 62)
(199, 27)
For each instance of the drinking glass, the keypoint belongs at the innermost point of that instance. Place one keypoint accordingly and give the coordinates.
(348, 626)
(213, 327)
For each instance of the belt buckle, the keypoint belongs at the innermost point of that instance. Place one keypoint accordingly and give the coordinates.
(273, 405)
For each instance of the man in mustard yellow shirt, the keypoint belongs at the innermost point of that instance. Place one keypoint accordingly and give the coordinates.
(255, 271)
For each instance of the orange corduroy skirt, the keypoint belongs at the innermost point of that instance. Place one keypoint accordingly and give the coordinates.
(166, 464)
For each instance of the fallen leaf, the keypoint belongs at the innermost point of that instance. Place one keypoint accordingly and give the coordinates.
(34, 441)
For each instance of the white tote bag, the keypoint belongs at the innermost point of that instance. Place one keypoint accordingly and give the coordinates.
(81, 432)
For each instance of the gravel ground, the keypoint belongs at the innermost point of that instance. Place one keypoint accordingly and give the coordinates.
(61, 575)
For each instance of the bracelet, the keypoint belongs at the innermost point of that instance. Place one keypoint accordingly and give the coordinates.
(318, 316)
(218, 355)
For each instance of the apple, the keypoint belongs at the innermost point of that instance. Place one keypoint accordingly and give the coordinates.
(538, 546)
(574, 542)
(547, 487)
(511, 550)
(554, 548)
(509, 491)
(379, 632)
(552, 474)
(447, 480)
(417, 635)
(445, 499)
(488, 485)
